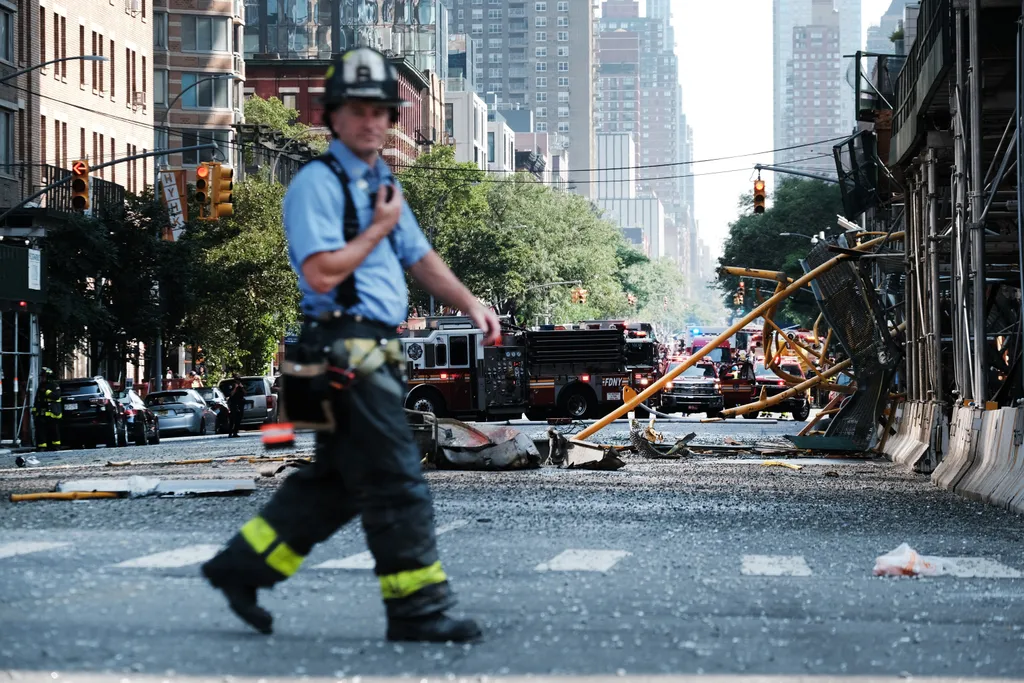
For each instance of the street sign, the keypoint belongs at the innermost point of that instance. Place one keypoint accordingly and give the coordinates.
(173, 192)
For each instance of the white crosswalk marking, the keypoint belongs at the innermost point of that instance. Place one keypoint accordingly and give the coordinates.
(364, 560)
(579, 560)
(975, 568)
(179, 557)
(26, 547)
(775, 565)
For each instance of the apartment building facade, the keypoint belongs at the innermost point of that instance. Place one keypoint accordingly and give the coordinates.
(198, 77)
(539, 54)
(619, 85)
(466, 124)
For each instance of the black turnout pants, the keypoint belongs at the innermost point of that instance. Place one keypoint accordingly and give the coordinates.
(370, 466)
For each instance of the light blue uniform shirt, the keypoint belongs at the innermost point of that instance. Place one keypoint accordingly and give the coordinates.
(314, 211)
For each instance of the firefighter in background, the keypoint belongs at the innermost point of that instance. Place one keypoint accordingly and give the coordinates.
(48, 411)
(350, 237)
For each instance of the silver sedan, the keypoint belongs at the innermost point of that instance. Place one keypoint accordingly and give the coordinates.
(182, 411)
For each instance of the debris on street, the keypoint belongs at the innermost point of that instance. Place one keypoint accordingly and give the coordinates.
(482, 446)
(905, 561)
(141, 487)
(779, 463)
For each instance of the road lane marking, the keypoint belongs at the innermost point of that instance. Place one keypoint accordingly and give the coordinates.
(26, 547)
(775, 565)
(364, 560)
(179, 557)
(975, 568)
(580, 560)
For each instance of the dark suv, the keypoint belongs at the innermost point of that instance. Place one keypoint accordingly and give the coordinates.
(696, 390)
(92, 414)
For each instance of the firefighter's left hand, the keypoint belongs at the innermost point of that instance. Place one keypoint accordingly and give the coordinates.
(487, 321)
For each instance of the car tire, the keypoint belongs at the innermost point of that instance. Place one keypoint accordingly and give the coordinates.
(803, 413)
(122, 435)
(113, 437)
(427, 400)
(753, 415)
(142, 438)
(202, 427)
(577, 403)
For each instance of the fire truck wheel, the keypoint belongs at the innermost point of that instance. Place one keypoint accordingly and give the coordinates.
(426, 400)
(577, 402)
(752, 415)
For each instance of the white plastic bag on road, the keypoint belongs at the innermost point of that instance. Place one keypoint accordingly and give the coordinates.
(905, 561)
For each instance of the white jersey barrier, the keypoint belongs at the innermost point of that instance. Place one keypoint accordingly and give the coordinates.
(985, 458)
(920, 436)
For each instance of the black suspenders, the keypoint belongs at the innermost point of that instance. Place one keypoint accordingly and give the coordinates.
(346, 294)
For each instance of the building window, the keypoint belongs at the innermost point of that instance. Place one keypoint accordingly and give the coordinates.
(160, 30)
(541, 52)
(563, 96)
(563, 21)
(563, 112)
(541, 36)
(563, 66)
(563, 127)
(204, 34)
(542, 81)
(541, 7)
(6, 37)
(207, 94)
(542, 112)
(6, 139)
(191, 138)
(478, 14)
(540, 21)
(495, 57)
(289, 100)
(494, 28)
(542, 66)
(449, 119)
(563, 5)
(563, 81)
(496, 72)
(494, 14)
(490, 147)
(494, 43)
(563, 51)
(477, 29)
(542, 97)
(563, 36)
(542, 127)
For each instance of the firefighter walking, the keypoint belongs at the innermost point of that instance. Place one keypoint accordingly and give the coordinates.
(350, 236)
(48, 411)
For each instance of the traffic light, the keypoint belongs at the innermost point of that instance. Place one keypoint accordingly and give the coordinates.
(579, 295)
(740, 296)
(203, 189)
(80, 185)
(759, 195)
(631, 298)
(220, 198)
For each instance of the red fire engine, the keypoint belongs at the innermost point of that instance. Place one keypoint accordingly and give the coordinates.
(564, 371)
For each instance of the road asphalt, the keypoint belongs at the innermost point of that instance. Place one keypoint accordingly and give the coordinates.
(713, 569)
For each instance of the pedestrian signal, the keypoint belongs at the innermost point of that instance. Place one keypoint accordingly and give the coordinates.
(221, 199)
(80, 185)
(759, 196)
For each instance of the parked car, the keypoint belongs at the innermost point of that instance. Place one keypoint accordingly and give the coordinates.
(143, 425)
(260, 400)
(182, 410)
(217, 401)
(799, 406)
(92, 414)
(696, 390)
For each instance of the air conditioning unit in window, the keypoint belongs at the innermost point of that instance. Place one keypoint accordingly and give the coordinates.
(133, 7)
(139, 99)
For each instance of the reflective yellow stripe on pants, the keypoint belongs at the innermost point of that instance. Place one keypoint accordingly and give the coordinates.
(404, 584)
(261, 536)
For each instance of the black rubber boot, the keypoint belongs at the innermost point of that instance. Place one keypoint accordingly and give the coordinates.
(242, 601)
(435, 628)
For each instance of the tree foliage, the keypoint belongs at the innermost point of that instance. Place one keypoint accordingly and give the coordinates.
(273, 112)
(798, 206)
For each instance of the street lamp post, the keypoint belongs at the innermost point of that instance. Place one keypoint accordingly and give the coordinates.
(86, 58)
(164, 127)
(813, 238)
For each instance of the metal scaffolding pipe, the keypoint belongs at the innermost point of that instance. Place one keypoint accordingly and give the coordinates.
(958, 308)
(910, 265)
(1020, 187)
(933, 266)
(980, 393)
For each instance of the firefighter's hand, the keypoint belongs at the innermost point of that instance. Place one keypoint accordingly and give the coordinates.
(487, 321)
(387, 211)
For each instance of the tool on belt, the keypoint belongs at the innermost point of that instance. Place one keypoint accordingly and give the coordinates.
(315, 370)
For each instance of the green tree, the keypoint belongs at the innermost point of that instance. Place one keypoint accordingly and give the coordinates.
(273, 112)
(798, 206)
(244, 295)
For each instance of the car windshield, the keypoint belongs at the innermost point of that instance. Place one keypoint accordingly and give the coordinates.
(696, 370)
(165, 397)
(254, 387)
(207, 393)
(80, 388)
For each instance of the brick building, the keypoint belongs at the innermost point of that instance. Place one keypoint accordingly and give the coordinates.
(299, 83)
(194, 41)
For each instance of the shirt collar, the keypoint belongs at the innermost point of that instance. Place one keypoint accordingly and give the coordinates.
(355, 167)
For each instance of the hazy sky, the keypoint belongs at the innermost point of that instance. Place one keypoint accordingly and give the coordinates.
(725, 57)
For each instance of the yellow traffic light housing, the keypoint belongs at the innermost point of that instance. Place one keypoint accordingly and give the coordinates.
(221, 199)
(202, 196)
(759, 196)
(80, 185)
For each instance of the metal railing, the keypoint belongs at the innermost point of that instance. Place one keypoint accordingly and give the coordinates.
(934, 25)
(104, 193)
